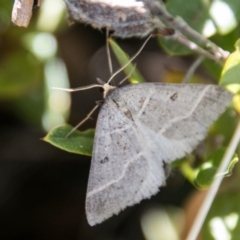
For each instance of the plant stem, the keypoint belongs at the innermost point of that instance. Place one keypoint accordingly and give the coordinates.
(203, 211)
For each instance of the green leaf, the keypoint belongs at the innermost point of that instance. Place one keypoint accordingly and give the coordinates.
(231, 71)
(77, 142)
(123, 58)
(206, 172)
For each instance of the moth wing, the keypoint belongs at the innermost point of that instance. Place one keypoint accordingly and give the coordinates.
(174, 118)
(140, 128)
(118, 166)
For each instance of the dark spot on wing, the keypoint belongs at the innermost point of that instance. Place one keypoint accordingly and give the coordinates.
(105, 160)
(174, 96)
(115, 102)
(128, 114)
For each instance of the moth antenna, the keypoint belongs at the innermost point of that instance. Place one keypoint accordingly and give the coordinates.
(109, 54)
(128, 76)
(130, 60)
(78, 89)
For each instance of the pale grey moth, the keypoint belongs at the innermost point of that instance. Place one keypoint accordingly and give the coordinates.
(141, 128)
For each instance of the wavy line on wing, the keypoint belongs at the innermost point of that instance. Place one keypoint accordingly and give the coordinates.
(187, 115)
(117, 180)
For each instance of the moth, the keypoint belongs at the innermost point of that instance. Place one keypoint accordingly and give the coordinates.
(141, 128)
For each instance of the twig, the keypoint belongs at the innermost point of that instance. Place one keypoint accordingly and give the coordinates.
(203, 211)
(186, 29)
(179, 37)
(192, 69)
(22, 12)
(178, 23)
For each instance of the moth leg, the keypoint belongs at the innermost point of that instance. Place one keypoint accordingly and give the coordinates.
(98, 103)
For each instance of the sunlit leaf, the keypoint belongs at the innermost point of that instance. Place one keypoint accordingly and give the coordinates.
(231, 71)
